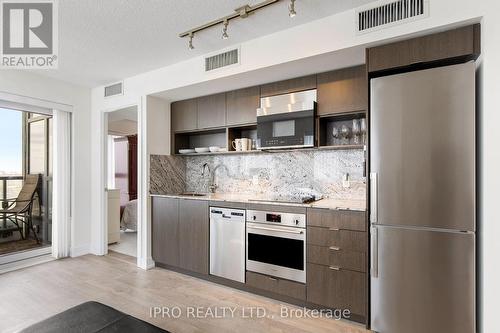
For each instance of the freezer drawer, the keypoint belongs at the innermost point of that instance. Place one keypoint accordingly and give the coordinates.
(422, 281)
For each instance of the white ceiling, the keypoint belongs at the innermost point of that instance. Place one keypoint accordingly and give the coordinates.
(128, 113)
(104, 41)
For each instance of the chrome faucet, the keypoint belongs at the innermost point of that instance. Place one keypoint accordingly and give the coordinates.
(212, 185)
(203, 168)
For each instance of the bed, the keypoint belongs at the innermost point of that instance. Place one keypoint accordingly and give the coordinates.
(129, 216)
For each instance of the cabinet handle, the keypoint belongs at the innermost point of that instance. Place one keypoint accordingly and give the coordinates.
(272, 279)
(334, 248)
(333, 229)
(335, 268)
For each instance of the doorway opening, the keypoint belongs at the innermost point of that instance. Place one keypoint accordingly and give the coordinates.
(122, 175)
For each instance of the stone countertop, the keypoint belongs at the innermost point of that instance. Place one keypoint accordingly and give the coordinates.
(327, 203)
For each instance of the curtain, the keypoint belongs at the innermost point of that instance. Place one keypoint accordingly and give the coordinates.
(132, 167)
(61, 208)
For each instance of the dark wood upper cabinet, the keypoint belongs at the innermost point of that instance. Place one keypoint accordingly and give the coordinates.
(462, 44)
(288, 86)
(242, 106)
(342, 91)
(212, 111)
(184, 115)
(193, 235)
(165, 231)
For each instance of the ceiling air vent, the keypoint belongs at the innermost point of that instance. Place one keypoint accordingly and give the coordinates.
(389, 12)
(113, 90)
(220, 60)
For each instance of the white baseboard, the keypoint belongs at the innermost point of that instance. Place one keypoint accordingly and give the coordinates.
(145, 263)
(81, 250)
(25, 263)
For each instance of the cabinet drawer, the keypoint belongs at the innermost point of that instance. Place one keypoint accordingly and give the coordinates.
(338, 289)
(344, 239)
(340, 219)
(276, 285)
(332, 256)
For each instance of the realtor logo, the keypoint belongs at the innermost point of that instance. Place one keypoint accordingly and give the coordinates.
(29, 34)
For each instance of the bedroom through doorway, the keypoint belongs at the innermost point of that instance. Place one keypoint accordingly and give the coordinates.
(122, 176)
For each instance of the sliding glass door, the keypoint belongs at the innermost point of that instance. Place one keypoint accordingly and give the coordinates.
(38, 160)
(25, 181)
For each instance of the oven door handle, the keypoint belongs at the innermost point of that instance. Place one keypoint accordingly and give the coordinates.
(298, 232)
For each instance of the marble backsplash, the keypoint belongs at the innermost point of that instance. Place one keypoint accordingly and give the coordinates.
(279, 175)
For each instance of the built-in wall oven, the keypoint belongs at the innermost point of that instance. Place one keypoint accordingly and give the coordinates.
(276, 244)
(287, 121)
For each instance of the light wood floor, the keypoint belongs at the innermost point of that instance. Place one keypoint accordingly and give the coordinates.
(32, 294)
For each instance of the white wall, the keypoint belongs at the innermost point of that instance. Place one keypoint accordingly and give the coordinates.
(154, 138)
(26, 84)
(337, 33)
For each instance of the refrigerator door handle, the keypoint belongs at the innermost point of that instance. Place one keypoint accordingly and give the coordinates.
(374, 252)
(373, 197)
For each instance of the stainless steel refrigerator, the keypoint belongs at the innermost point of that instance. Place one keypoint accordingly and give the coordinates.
(422, 201)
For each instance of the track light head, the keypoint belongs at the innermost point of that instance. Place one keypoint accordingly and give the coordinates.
(224, 29)
(291, 9)
(190, 45)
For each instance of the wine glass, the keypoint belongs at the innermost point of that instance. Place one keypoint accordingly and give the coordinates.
(363, 130)
(345, 133)
(335, 135)
(356, 131)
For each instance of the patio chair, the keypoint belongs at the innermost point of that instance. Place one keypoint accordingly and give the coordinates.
(19, 210)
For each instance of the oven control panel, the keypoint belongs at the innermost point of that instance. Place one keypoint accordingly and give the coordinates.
(277, 218)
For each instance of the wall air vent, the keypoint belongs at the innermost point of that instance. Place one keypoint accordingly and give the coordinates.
(220, 60)
(113, 90)
(387, 13)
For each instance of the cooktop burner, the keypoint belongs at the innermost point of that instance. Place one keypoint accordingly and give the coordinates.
(303, 200)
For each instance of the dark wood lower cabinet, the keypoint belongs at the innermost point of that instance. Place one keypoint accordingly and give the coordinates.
(337, 250)
(180, 233)
(339, 289)
(193, 235)
(165, 231)
(336, 258)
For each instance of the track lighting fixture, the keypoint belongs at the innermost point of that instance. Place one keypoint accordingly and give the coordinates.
(291, 9)
(241, 13)
(190, 45)
(224, 29)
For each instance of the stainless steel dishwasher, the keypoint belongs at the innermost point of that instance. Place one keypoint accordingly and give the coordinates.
(227, 243)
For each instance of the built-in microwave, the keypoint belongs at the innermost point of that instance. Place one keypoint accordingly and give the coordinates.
(287, 121)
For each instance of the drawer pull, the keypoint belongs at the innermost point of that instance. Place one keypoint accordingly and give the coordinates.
(335, 268)
(334, 248)
(272, 279)
(333, 229)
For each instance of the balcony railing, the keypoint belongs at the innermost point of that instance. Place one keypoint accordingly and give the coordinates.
(11, 186)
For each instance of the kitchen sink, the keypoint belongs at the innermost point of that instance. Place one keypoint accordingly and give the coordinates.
(193, 194)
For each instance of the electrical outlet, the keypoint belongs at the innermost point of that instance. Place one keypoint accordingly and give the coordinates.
(346, 183)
